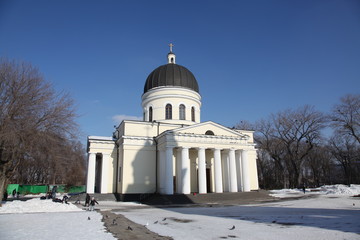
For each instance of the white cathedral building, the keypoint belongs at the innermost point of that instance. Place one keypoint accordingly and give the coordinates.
(171, 151)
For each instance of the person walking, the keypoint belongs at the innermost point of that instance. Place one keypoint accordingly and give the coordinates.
(92, 204)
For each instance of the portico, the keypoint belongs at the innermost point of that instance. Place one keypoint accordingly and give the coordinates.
(100, 163)
(214, 161)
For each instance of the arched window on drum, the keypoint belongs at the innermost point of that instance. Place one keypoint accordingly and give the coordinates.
(182, 112)
(150, 114)
(193, 114)
(168, 111)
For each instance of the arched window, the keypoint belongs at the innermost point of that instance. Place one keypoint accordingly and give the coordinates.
(150, 114)
(168, 111)
(193, 114)
(209, 132)
(182, 112)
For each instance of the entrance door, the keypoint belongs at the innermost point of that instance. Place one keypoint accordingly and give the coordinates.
(208, 180)
(98, 173)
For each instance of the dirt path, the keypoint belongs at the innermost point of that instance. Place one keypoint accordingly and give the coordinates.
(122, 228)
(119, 225)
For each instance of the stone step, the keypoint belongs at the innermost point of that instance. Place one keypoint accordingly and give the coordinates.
(181, 199)
(97, 196)
(210, 198)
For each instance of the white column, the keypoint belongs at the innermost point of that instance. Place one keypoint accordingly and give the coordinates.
(239, 170)
(178, 170)
(185, 171)
(232, 168)
(105, 172)
(245, 171)
(161, 173)
(225, 170)
(218, 171)
(169, 175)
(90, 183)
(202, 170)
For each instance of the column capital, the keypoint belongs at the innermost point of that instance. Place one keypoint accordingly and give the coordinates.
(201, 148)
(227, 150)
(216, 149)
(184, 147)
(230, 149)
(163, 148)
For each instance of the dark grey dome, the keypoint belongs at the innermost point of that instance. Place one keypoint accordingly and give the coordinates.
(171, 75)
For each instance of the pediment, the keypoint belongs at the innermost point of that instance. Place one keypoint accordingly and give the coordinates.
(209, 128)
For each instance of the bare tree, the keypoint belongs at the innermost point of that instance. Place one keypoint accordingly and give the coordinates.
(320, 167)
(33, 118)
(345, 142)
(288, 137)
(271, 157)
(346, 151)
(345, 116)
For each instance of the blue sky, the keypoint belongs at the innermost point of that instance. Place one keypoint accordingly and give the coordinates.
(251, 58)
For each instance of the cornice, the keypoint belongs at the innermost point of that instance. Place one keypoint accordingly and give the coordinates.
(167, 96)
(167, 88)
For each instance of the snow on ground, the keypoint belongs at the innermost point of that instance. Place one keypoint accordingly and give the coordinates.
(43, 219)
(321, 217)
(59, 225)
(329, 212)
(37, 205)
(338, 189)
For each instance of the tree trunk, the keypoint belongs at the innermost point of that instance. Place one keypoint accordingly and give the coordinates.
(3, 184)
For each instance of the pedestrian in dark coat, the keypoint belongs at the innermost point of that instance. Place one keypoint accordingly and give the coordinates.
(87, 200)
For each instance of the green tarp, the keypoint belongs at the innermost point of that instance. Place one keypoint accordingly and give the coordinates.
(11, 187)
(35, 189)
(27, 189)
(77, 189)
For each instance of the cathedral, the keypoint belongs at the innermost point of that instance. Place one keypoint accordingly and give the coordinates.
(171, 151)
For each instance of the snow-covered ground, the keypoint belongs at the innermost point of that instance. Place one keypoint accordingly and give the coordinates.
(329, 212)
(338, 189)
(44, 219)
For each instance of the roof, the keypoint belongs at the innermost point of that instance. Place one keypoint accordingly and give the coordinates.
(171, 75)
